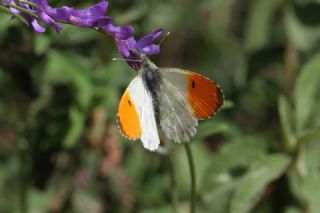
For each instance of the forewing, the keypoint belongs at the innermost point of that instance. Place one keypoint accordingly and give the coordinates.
(136, 115)
(203, 95)
(128, 117)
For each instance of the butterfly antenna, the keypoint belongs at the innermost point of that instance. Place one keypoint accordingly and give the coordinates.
(122, 59)
(164, 37)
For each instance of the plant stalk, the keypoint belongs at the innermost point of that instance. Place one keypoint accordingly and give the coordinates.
(17, 16)
(193, 178)
(173, 188)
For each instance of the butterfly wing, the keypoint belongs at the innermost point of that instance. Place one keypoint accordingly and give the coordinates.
(136, 117)
(204, 96)
(177, 119)
(186, 97)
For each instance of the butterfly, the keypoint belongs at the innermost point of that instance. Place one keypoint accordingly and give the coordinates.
(171, 98)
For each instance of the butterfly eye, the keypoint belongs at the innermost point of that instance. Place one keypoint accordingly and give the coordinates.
(193, 84)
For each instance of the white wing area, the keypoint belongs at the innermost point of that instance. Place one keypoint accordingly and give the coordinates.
(143, 101)
(177, 119)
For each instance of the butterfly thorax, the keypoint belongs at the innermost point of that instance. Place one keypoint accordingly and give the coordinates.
(152, 81)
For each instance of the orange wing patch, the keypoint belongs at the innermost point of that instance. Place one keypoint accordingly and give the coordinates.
(205, 96)
(128, 117)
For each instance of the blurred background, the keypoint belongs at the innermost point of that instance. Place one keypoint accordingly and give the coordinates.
(60, 150)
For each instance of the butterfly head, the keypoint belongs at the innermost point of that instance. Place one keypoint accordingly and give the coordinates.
(147, 64)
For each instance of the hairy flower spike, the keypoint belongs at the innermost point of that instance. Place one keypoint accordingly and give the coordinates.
(92, 17)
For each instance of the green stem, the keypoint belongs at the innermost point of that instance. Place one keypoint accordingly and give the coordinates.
(310, 135)
(22, 10)
(193, 178)
(22, 178)
(28, 3)
(17, 16)
(173, 189)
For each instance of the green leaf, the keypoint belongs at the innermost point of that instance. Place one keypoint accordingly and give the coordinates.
(304, 37)
(252, 185)
(293, 210)
(210, 127)
(306, 93)
(76, 127)
(64, 69)
(39, 201)
(305, 185)
(259, 24)
(286, 115)
(41, 43)
(248, 149)
(306, 189)
(227, 104)
(218, 200)
(226, 168)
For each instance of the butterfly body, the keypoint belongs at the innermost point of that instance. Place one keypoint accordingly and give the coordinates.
(152, 80)
(170, 98)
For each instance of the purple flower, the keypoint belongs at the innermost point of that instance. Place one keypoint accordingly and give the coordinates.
(12, 3)
(92, 17)
(131, 49)
(119, 32)
(32, 20)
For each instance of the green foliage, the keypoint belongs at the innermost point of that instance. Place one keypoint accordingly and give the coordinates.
(286, 118)
(259, 23)
(60, 150)
(306, 93)
(252, 184)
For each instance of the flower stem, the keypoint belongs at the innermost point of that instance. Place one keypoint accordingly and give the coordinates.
(173, 188)
(22, 177)
(193, 178)
(19, 17)
(28, 3)
(21, 9)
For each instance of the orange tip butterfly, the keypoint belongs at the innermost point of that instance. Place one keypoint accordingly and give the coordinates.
(171, 98)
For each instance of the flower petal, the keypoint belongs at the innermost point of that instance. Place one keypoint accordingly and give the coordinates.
(37, 27)
(59, 14)
(97, 10)
(149, 39)
(153, 49)
(120, 32)
(49, 21)
(106, 20)
(90, 14)
(125, 47)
